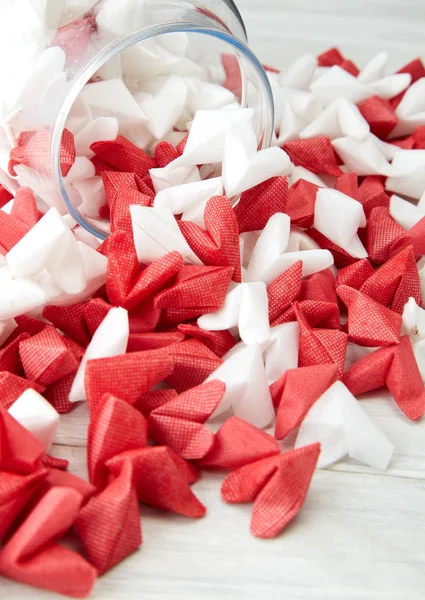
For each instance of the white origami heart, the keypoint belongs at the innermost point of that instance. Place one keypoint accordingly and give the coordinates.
(207, 135)
(340, 118)
(203, 95)
(245, 307)
(281, 352)
(336, 83)
(187, 196)
(407, 174)
(300, 74)
(92, 195)
(164, 109)
(79, 116)
(109, 339)
(99, 130)
(112, 98)
(404, 212)
(243, 166)
(272, 242)
(36, 415)
(173, 175)
(49, 245)
(19, 296)
(411, 110)
(247, 391)
(338, 217)
(413, 321)
(391, 86)
(270, 257)
(362, 156)
(289, 126)
(339, 423)
(299, 240)
(42, 93)
(374, 68)
(156, 232)
(303, 103)
(80, 170)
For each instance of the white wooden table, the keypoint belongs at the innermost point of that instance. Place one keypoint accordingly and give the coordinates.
(361, 534)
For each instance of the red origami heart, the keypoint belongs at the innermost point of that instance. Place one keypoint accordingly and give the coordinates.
(395, 282)
(348, 184)
(283, 290)
(9, 354)
(25, 207)
(319, 287)
(193, 362)
(165, 153)
(115, 426)
(277, 485)
(381, 234)
(341, 257)
(301, 201)
(369, 323)
(380, 115)
(220, 342)
(217, 244)
(33, 151)
(20, 451)
(138, 342)
(109, 524)
(355, 275)
(316, 313)
(58, 393)
(95, 311)
(15, 491)
(258, 204)
(320, 346)
(11, 230)
(238, 443)
(333, 57)
(315, 154)
(153, 399)
(33, 556)
(162, 480)
(295, 393)
(124, 156)
(415, 238)
(46, 357)
(12, 386)
(395, 367)
(127, 376)
(179, 423)
(70, 320)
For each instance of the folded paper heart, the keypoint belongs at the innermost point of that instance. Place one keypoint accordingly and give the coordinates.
(127, 376)
(295, 392)
(192, 363)
(179, 423)
(110, 339)
(123, 155)
(35, 152)
(109, 524)
(217, 244)
(395, 367)
(277, 486)
(33, 556)
(405, 213)
(258, 204)
(161, 479)
(281, 350)
(369, 322)
(245, 307)
(382, 233)
(395, 281)
(320, 346)
(37, 415)
(301, 202)
(16, 491)
(338, 217)
(20, 451)
(157, 233)
(364, 157)
(314, 154)
(112, 98)
(341, 118)
(247, 391)
(243, 166)
(220, 342)
(12, 387)
(283, 290)
(114, 427)
(206, 141)
(338, 422)
(238, 443)
(162, 114)
(355, 275)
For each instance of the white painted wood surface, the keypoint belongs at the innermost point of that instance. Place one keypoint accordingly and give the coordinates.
(361, 534)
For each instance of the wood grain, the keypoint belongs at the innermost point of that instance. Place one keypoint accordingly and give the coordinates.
(361, 534)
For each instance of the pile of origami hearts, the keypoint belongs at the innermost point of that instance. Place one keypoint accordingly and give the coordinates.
(238, 290)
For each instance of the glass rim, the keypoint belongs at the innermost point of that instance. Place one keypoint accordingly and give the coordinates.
(112, 50)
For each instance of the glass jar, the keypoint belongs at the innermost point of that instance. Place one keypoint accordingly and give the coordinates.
(131, 38)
